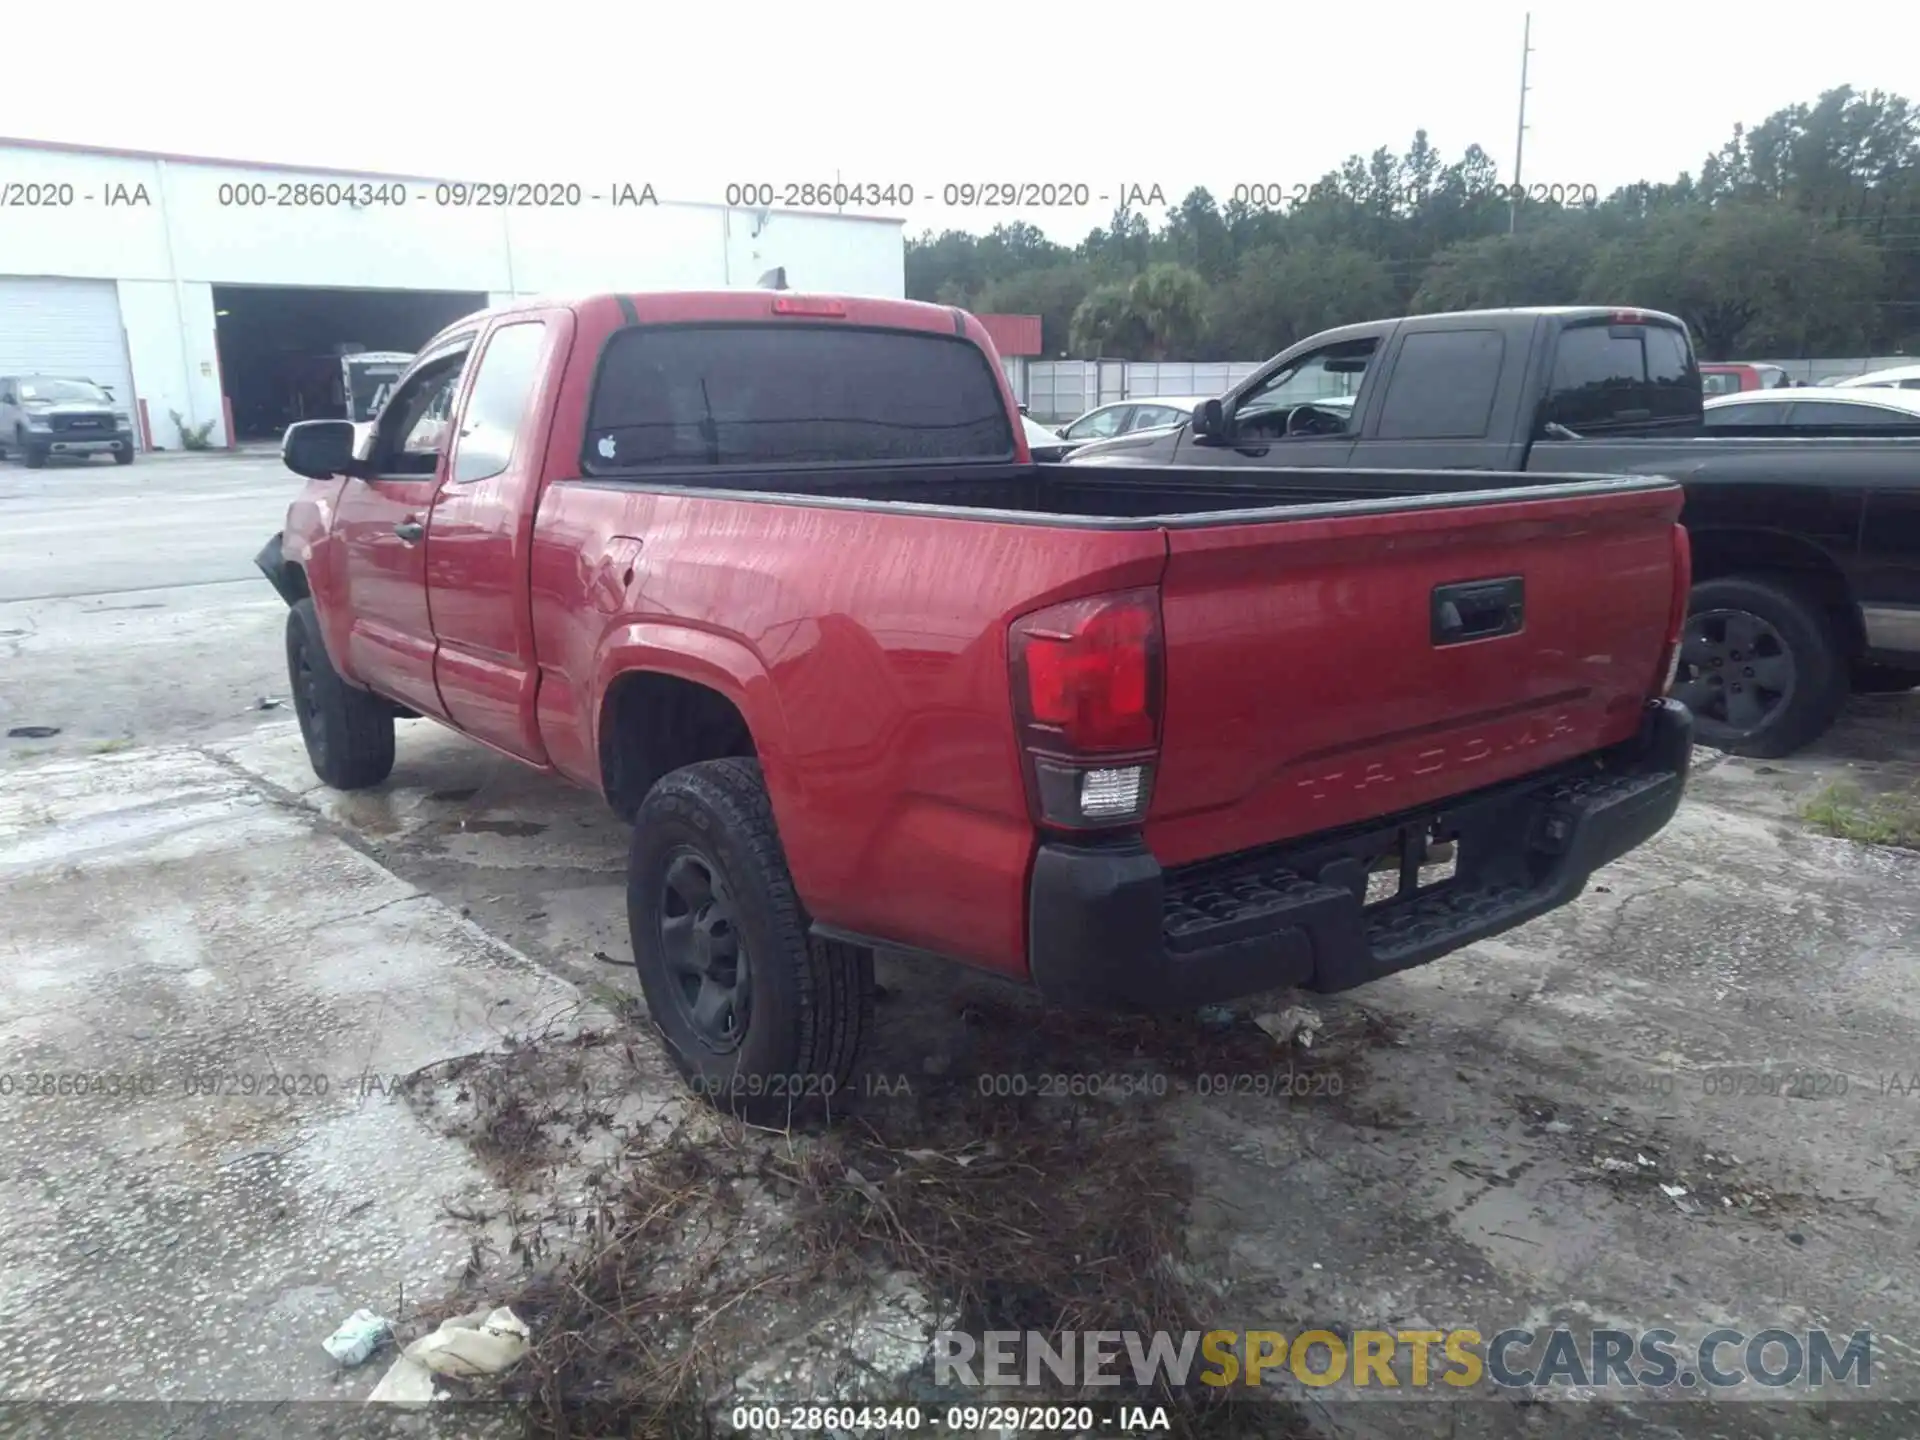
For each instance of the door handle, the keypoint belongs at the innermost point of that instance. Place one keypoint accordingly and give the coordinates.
(1478, 610)
(410, 531)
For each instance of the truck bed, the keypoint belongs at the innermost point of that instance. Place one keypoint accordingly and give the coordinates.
(1150, 495)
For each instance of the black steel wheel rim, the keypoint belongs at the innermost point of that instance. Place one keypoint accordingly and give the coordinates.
(1735, 670)
(304, 709)
(705, 954)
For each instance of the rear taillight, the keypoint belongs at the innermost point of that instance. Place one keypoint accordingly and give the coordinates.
(1677, 613)
(803, 305)
(1086, 698)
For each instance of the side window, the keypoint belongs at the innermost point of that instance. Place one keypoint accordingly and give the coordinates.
(1619, 375)
(1852, 416)
(497, 404)
(1744, 417)
(1330, 380)
(1149, 417)
(413, 424)
(1098, 425)
(1443, 386)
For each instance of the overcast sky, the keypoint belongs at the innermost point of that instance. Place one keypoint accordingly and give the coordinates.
(693, 97)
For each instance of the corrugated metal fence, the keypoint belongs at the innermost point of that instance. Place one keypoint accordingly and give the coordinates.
(1058, 390)
(1062, 389)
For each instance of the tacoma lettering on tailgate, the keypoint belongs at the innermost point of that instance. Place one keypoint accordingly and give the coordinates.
(1455, 755)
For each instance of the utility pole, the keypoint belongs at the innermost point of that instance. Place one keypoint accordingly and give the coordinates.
(1520, 136)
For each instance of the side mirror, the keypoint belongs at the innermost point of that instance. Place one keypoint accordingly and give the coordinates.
(1209, 420)
(320, 449)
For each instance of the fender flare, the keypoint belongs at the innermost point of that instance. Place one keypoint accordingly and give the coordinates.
(721, 663)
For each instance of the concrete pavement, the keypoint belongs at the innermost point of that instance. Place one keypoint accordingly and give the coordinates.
(205, 1010)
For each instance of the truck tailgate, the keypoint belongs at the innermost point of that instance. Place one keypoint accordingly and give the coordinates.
(1336, 665)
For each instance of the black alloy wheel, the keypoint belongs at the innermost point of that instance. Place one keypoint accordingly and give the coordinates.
(711, 976)
(1763, 664)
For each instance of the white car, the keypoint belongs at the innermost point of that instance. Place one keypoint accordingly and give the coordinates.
(1123, 417)
(1900, 377)
(1815, 406)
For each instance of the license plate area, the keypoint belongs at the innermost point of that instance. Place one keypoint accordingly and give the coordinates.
(1418, 859)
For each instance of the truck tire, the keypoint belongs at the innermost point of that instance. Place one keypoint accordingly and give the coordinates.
(123, 455)
(1762, 667)
(33, 457)
(761, 1018)
(348, 732)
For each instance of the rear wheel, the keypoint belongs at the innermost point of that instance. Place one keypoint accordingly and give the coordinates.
(1760, 667)
(348, 732)
(761, 1018)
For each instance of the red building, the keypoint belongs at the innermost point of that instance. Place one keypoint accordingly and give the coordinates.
(1013, 335)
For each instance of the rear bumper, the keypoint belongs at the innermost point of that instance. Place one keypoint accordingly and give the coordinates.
(1108, 926)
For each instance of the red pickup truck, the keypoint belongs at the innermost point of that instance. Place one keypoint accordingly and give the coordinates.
(775, 575)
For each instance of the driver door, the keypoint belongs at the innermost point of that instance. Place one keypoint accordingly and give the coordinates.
(1336, 375)
(381, 527)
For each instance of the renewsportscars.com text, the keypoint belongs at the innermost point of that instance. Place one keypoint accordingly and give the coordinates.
(1439, 1361)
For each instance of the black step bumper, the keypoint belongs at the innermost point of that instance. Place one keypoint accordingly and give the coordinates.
(1110, 927)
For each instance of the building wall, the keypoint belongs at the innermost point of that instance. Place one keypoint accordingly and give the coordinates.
(169, 230)
(175, 367)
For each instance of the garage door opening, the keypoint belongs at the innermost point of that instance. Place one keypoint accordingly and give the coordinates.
(280, 346)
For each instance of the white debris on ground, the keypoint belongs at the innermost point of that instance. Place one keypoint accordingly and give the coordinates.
(467, 1347)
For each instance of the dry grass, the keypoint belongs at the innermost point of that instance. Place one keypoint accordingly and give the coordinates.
(706, 1244)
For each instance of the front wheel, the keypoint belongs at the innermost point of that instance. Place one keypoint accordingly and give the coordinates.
(1761, 667)
(33, 457)
(123, 456)
(761, 1018)
(348, 732)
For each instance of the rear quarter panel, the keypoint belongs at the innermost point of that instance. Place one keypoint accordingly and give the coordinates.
(866, 649)
(1801, 489)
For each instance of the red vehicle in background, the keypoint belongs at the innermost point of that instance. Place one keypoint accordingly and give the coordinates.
(1730, 378)
(776, 575)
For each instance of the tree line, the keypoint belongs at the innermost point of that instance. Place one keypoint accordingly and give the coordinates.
(1798, 238)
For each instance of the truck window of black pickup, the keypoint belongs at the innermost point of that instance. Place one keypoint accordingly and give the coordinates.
(1618, 375)
(1442, 386)
(1329, 383)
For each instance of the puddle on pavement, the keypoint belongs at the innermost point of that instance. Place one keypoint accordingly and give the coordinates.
(519, 829)
(370, 812)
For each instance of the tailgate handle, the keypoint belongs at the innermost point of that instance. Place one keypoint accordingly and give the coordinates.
(1478, 610)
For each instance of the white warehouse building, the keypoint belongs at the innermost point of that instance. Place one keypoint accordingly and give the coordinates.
(223, 292)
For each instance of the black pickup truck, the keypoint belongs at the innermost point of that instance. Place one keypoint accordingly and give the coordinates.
(1806, 547)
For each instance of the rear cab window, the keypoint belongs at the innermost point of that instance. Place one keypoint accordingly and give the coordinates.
(791, 396)
(1614, 376)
